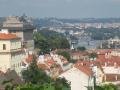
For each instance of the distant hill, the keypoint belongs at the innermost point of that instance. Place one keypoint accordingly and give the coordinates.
(43, 22)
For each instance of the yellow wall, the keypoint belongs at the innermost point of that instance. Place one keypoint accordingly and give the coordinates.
(4, 61)
(9, 58)
(10, 45)
(7, 42)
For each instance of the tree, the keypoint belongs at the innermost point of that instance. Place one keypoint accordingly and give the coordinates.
(35, 75)
(58, 84)
(47, 40)
(41, 43)
(30, 87)
(61, 83)
(106, 87)
(64, 43)
(81, 48)
(109, 87)
(64, 54)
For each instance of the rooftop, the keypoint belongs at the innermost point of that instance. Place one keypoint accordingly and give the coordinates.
(84, 68)
(17, 23)
(4, 36)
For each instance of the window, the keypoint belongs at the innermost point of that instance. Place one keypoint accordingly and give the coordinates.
(4, 46)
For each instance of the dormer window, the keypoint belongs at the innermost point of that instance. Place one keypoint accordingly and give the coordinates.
(4, 46)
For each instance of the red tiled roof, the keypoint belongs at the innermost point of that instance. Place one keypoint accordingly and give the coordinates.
(109, 61)
(9, 36)
(79, 53)
(84, 68)
(103, 51)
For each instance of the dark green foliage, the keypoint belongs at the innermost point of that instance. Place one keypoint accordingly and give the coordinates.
(29, 87)
(34, 75)
(48, 40)
(64, 54)
(81, 48)
(41, 43)
(37, 79)
(93, 55)
(98, 88)
(61, 84)
(106, 87)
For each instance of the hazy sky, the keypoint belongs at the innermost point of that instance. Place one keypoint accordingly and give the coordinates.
(61, 8)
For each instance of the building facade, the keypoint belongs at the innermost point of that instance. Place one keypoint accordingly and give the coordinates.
(11, 53)
(22, 28)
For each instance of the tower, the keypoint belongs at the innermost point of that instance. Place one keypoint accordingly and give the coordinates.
(22, 28)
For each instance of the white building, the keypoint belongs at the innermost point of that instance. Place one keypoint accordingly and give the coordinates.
(11, 53)
(80, 77)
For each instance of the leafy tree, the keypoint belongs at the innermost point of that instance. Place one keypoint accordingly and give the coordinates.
(41, 43)
(30, 87)
(106, 87)
(58, 84)
(61, 83)
(81, 48)
(64, 54)
(64, 43)
(47, 40)
(109, 87)
(35, 75)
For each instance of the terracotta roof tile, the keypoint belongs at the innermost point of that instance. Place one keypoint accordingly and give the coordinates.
(84, 68)
(103, 51)
(9, 36)
(109, 61)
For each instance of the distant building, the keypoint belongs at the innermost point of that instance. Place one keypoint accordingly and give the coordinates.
(11, 53)
(109, 61)
(22, 28)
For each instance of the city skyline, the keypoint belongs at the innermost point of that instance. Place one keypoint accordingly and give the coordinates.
(61, 8)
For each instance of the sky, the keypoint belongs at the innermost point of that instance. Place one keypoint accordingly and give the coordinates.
(61, 8)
